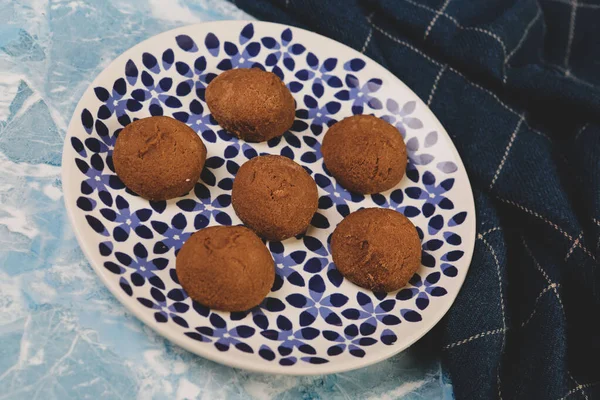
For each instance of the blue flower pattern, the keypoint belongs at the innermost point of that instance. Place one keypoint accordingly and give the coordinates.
(162, 311)
(96, 178)
(315, 304)
(287, 266)
(156, 90)
(243, 56)
(195, 78)
(173, 235)
(205, 208)
(361, 95)
(350, 339)
(289, 338)
(283, 50)
(336, 195)
(144, 270)
(400, 117)
(355, 324)
(422, 291)
(225, 337)
(371, 314)
(127, 221)
(320, 115)
(319, 73)
(113, 100)
(432, 194)
(198, 120)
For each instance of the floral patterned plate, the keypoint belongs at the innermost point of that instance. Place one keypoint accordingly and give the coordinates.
(313, 321)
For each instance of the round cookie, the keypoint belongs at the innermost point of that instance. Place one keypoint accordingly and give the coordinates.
(159, 158)
(365, 154)
(226, 268)
(274, 196)
(252, 104)
(376, 248)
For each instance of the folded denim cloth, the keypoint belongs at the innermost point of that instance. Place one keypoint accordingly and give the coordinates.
(517, 86)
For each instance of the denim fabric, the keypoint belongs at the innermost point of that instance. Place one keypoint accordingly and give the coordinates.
(516, 83)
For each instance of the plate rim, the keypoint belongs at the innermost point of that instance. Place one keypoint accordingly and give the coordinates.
(164, 330)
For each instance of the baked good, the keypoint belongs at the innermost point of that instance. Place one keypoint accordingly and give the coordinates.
(365, 154)
(274, 196)
(226, 268)
(159, 158)
(252, 104)
(376, 248)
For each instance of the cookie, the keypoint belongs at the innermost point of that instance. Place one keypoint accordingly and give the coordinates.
(226, 268)
(159, 158)
(252, 104)
(365, 154)
(274, 196)
(376, 248)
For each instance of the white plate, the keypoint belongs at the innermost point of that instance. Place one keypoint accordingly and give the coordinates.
(313, 321)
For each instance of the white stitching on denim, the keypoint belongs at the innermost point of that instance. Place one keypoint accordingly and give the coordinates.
(571, 35)
(507, 151)
(545, 275)
(497, 228)
(474, 337)
(546, 289)
(402, 42)
(368, 39)
(572, 77)
(582, 5)
(525, 35)
(575, 243)
(580, 131)
(562, 307)
(433, 10)
(578, 388)
(494, 36)
(489, 246)
(435, 18)
(568, 74)
(458, 25)
(554, 287)
(487, 91)
(537, 265)
(552, 224)
(364, 48)
(498, 100)
(586, 251)
(435, 83)
(495, 331)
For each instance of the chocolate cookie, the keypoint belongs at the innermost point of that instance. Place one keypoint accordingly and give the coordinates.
(252, 104)
(365, 154)
(274, 196)
(376, 248)
(226, 268)
(159, 158)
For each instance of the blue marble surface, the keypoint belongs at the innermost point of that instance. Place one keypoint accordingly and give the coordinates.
(62, 334)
